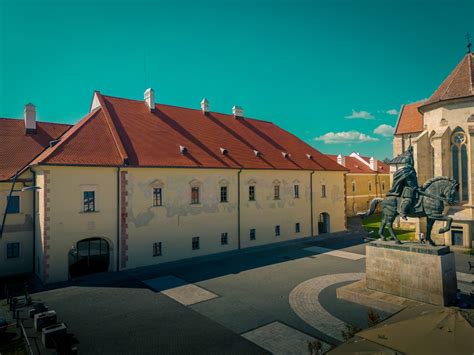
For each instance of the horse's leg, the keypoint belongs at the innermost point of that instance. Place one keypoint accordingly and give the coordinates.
(382, 228)
(392, 232)
(429, 226)
(447, 219)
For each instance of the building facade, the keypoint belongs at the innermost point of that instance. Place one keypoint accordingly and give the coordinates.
(136, 183)
(441, 129)
(367, 178)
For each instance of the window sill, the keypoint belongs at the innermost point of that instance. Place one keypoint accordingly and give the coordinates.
(224, 202)
(195, 204)
(157, 206)
(89, 212)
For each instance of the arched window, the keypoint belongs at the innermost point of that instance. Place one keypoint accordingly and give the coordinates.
(459, 164)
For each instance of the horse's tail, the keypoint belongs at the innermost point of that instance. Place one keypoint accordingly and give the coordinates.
(372, 207)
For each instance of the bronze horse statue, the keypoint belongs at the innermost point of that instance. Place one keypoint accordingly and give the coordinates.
(434, 195)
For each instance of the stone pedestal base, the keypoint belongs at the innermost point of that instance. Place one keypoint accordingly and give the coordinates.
(417, 272)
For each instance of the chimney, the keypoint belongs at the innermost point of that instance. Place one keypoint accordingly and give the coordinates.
(238, 112)
(205, 106)
(341, 160)
(149, 97)
(30, 118)
(373, 164)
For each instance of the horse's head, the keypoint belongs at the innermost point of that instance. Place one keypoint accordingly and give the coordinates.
(449, 192)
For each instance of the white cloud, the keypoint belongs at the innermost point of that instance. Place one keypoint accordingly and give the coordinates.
(384, 130)
(345, 137)
(364, 115)
(392, 112)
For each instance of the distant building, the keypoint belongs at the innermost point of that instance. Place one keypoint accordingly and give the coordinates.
(440, 130)
(367, 178)
(135, 183)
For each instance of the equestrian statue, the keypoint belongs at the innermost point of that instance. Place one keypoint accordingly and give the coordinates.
(407, 199)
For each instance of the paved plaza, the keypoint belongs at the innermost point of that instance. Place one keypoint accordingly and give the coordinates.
(274, 299)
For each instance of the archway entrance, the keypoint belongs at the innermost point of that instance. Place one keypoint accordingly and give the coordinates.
(89, 256)
(323, 223)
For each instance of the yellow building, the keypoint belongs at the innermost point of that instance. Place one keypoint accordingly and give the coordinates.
(367, 178)
(136, 183)
(440, 130)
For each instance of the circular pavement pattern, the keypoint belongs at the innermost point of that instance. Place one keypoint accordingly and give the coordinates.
(304, 300)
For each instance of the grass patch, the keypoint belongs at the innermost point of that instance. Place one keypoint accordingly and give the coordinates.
(372, 224)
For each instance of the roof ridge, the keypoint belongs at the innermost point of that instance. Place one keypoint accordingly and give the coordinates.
(113, 130)
(63, 138)
(192, 109)
(47, 122)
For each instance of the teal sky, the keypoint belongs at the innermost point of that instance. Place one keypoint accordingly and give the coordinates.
(305, 65)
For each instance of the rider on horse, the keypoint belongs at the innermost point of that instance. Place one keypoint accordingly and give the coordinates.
(405, 184)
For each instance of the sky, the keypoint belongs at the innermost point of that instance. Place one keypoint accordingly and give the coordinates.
(335, 73)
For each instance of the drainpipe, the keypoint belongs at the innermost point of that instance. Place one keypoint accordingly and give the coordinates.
(118, 219)
(238, 207)
(6, 207)
(311, 201)
(34, 220)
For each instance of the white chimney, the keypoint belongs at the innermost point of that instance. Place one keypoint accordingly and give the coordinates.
(149, 97)
(205, 105)
(373, 164)
(341, 160)
(30, 118)
(237, 111)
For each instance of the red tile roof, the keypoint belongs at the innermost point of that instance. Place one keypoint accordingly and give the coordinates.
(124, 130)
(410, 119)
(18, 149)
(459, 84)
(355, 166)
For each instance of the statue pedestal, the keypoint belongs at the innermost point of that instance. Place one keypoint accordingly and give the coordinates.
(414, 271)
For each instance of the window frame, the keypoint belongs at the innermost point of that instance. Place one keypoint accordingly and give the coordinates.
(155, 198)
(296, 191)
(252, 193)
(157, 249)
(195, 243)
(297, 227)
(276, 192)
(8, 204)
(225, 194)
(277, 230)
(86, 205)
(323, 190)
(9, 247)
(253, 234)
(195, 195)
(224, 238)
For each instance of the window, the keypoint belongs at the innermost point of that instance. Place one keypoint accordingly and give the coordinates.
(323, 190)
(89, 201)
(276, 192)
(157, 197)
(194, 195)
(296, 191)
(157, 249)
(224, 240)
(223, 193)
(252, 234)
(13, 250)
(195, 243)
(353, 186)
(13, 204)
(277, 231)
(383, 186)
(297, 227)
(370, 186)
(459, 164)
(251, 193)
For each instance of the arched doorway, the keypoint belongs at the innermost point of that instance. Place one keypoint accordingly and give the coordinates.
(89, 256)
(324, 223)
